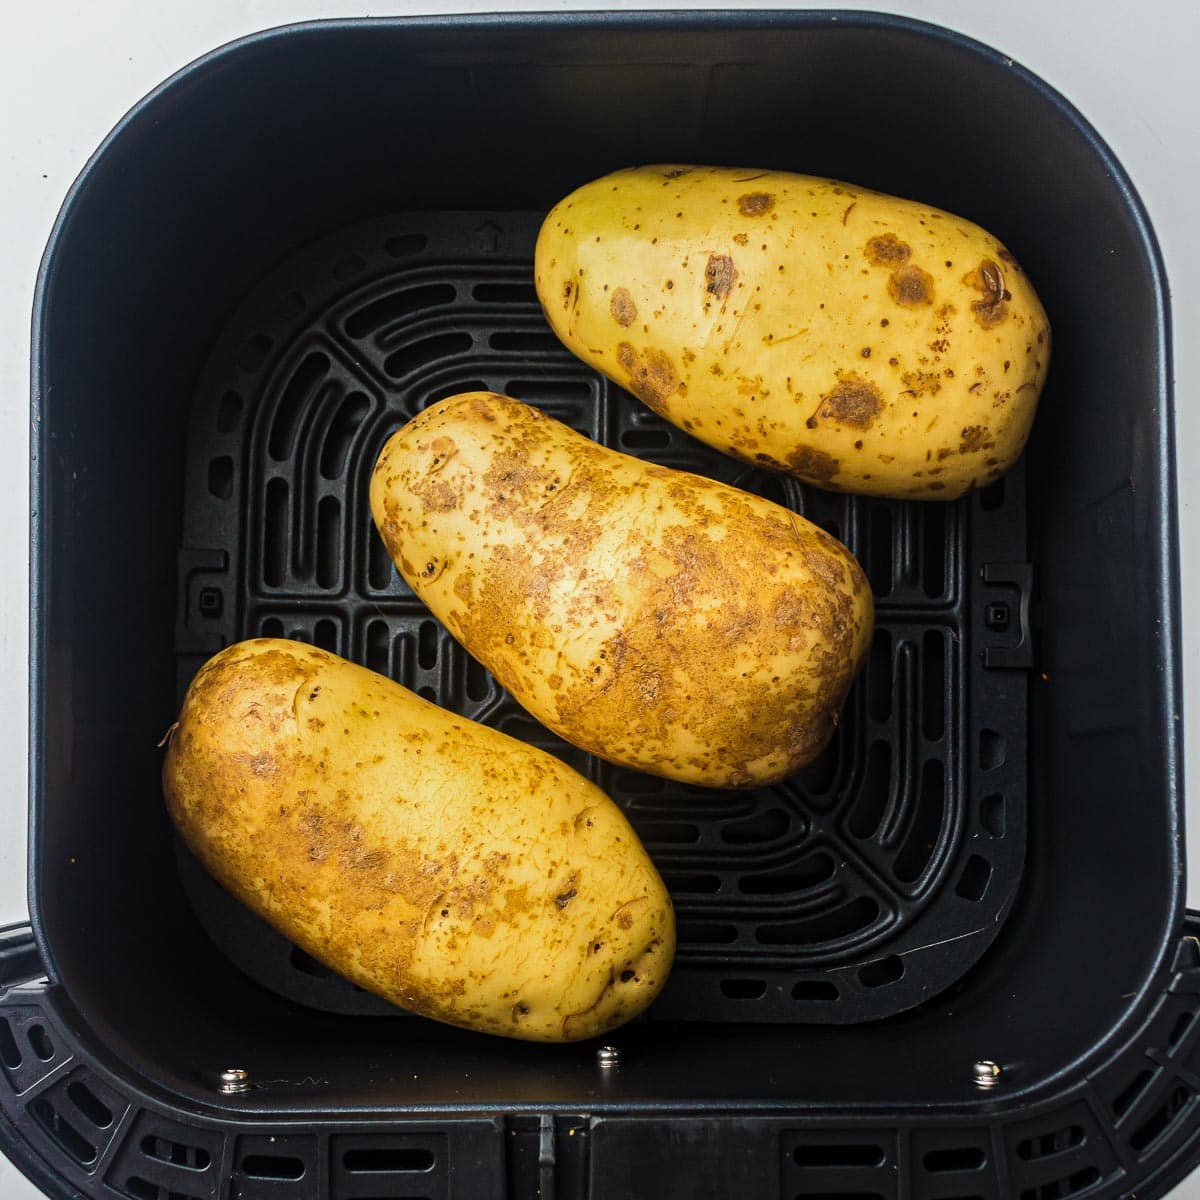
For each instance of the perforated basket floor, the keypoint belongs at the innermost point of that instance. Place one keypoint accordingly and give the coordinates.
(862, 886)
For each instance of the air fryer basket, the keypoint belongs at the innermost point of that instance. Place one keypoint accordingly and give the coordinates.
(306, 237)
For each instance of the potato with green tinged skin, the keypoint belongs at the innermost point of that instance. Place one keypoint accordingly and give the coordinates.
(857, 341)
(440, 864)
(661, 620)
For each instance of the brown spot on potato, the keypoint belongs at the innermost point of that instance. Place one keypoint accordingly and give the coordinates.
(652, 377)
(719, 275)
(992, 307)
(622, 307)
(975, 437)
(813, 465)
(1006, 256)
(754, 204)
(852, 401)
(741, 239)
(910, 286)
(920, 383)
(887, 250)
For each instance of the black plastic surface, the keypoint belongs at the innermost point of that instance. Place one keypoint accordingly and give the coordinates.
(263, 148)
(802, 901)
(83, 1127)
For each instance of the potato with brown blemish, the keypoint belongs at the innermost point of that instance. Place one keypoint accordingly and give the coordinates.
(857, 341)
(663, 621)
(440, 864)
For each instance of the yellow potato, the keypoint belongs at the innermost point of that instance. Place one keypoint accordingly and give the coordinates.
(437, 863)
(859, 342)
(660, 620)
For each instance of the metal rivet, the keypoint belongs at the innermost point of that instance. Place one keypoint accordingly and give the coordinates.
(233, 1081)
(608, 1056)
(985, 1074)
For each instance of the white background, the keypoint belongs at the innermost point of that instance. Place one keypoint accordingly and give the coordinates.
(68, 71)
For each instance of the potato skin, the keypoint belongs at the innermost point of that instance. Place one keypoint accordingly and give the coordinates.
(440, 864)
(859, 342)
(661, 620)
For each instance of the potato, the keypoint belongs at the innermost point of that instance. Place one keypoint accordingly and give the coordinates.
(660, 620)
(859, 342)
(435, 862)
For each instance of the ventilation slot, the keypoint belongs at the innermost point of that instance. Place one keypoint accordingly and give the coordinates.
(973, 882)
(63, 1132)
(817, 779)
(882, 972)
(550, 390)
(873, 793)
(879, 550)
(427, 646)
(1044, 1145)
(220, 477)
(1060, 1189)
(1132, 1092)
(993, 749)
(743, 989)
(275, 534)
(1162, 1120)
(272, 627)
(933, 550)
(396, 306)
(853, 1154)
(879, 678)
(178, 1154)
(477, 683)
(229, 413)
(699, 933)
(10, 1054)
(272, 1166)
(391, 1159)
(89, 1104)
(416, 356)
(960, 1158)
(329, 542)
(763, 827)
(692, 883)
(325, 635)
(40, 1042)
(1179, 1030)
(379, 564)
(378, 644)
(933, 685)
(991, 814)
(922, 837)
(505, 293)
(336, 447)
(827, 927)
(645, 439)
(815, 989)
(454, 389)
(813, 870)
(668, 833)
(525, 341)
(293, 400)
(405, 244)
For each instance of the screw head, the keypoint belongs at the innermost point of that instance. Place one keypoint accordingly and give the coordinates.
(233, 1081)
(985, 1074)
(608, 1057)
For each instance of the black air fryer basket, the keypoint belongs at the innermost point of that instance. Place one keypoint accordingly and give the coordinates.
(947, 961)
